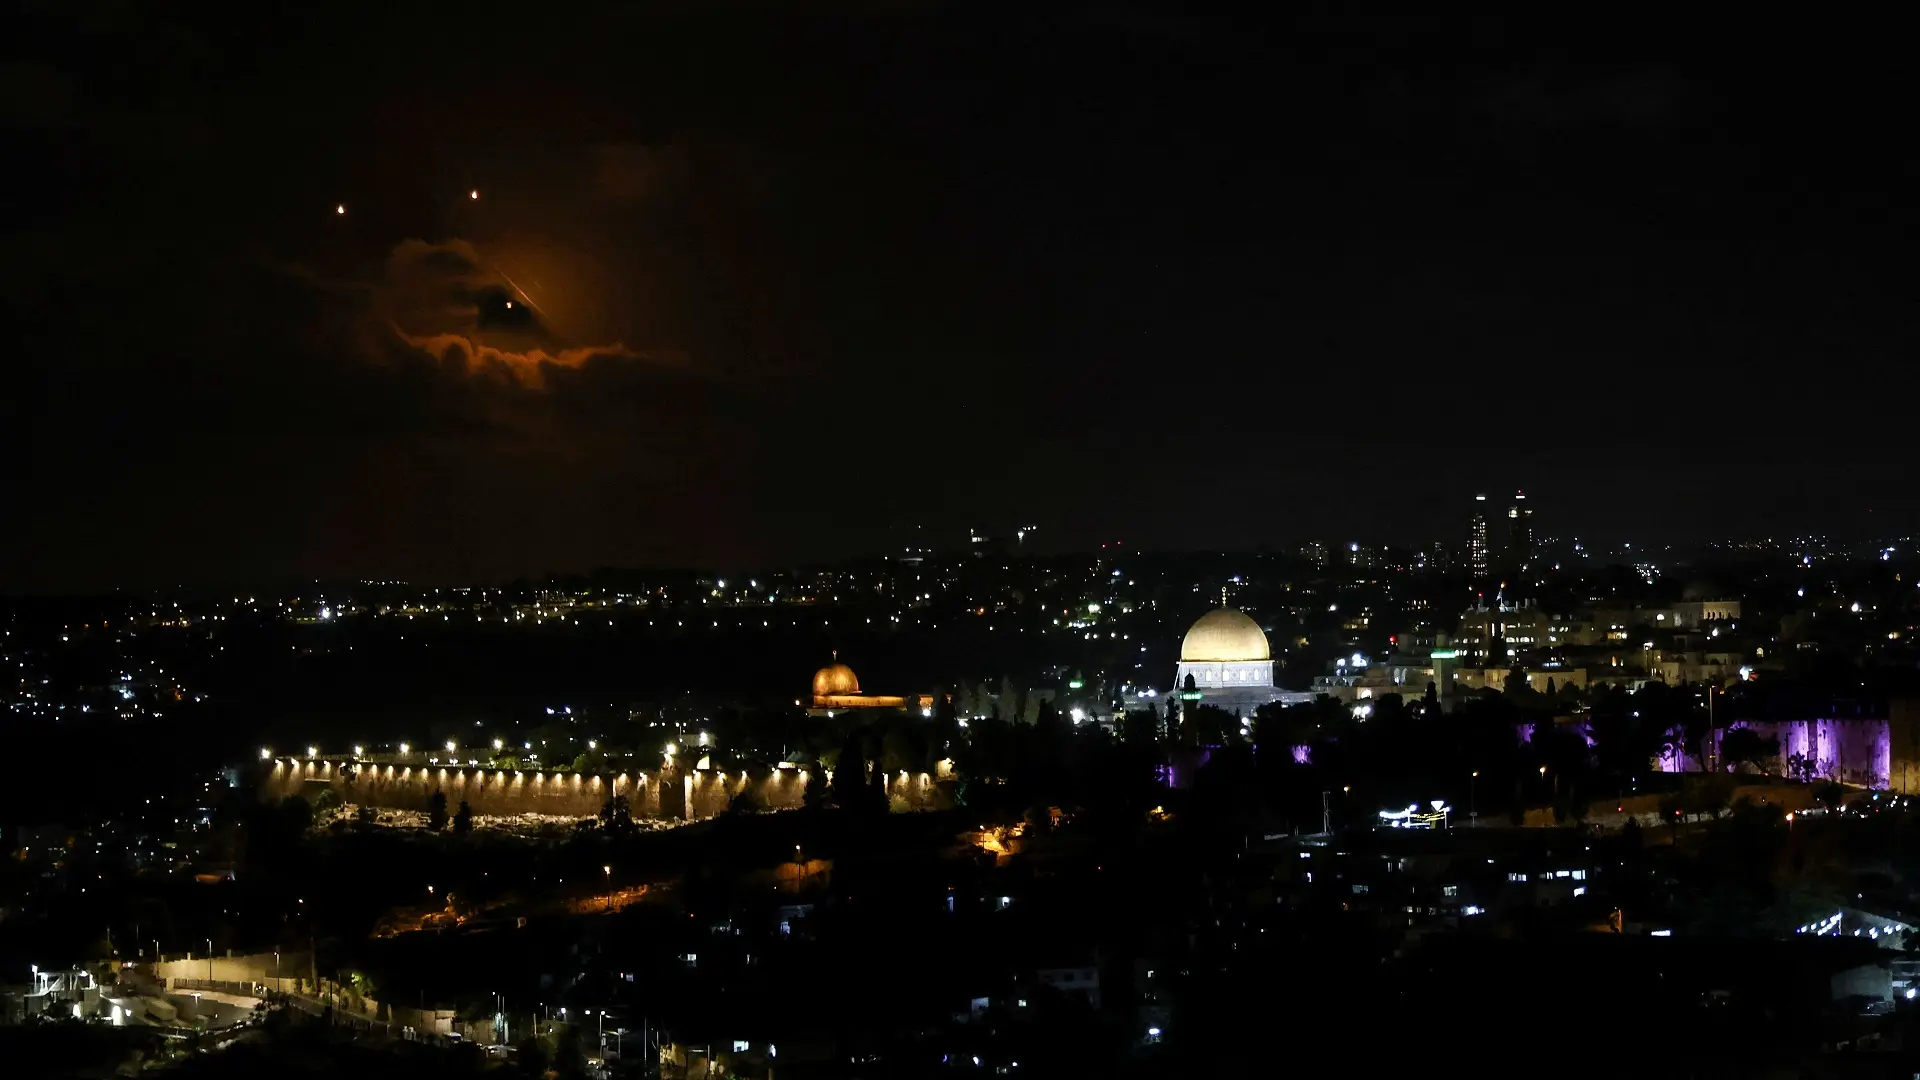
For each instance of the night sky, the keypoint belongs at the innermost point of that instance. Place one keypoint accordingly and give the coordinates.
(798, 283)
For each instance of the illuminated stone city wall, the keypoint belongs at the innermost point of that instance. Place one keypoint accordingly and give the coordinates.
(1851, 750)
(269, 968)
(1875, 752)
(668, 793)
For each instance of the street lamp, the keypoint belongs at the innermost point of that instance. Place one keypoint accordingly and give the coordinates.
(209, 959)
(607, 871)
(1473, 803)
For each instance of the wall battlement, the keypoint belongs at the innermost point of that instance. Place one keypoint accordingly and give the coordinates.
(668, 793)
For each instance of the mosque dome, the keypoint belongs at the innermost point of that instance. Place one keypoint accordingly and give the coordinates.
(1224, 635)
(835, 679)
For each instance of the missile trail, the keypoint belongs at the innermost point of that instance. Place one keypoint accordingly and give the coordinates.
(522, 293)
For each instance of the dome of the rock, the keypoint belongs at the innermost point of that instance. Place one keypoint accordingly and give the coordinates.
(1225, 635)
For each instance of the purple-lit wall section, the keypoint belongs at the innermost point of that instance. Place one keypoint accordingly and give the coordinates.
(1856, 751)
(1523, 733)
(1184, 765)
(1676, 760)
(1303, 755)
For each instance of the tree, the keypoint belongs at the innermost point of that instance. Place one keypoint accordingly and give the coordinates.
(850, 774)
(944, 731)
(1672, 811)
(1712, 795)
(1140, 728)
(1046, 715)
(875, 800)
(1430, 702)
(1207, 725)
(1517, 686)
(744, 802)
(569, 1058)
(904, 745)
(815, 795)
(362, 983)
(617, 815)
(1830, 795)
(1745, 745)
(463, 819)
(533, 1057)
(326, 801)
(437, 811)
(1630, 842)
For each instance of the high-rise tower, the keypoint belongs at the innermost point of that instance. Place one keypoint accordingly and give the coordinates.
(1519, 551)
(1478, 555)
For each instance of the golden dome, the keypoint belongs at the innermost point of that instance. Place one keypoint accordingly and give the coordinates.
(1224, 635)
(835, 679)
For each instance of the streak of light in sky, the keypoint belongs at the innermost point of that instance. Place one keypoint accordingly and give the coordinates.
(515, 286)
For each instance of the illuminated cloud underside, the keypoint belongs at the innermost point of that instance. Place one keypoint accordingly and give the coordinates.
(527, 369)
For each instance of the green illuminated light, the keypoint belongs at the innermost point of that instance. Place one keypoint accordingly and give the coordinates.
(1075, 684)
(1444, 654)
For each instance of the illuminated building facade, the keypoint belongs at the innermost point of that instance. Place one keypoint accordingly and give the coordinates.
(1479, 558)
(1517, 549)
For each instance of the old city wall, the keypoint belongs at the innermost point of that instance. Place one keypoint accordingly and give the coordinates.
(266, 968)
(668, 793)
(1645, 809)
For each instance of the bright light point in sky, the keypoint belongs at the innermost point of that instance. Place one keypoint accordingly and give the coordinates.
(509, 303)
(473, 194)
(340, 209)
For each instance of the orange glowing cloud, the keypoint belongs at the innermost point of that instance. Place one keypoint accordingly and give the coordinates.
(526, 369)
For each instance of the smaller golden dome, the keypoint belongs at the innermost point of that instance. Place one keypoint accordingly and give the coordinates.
(835, 679)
